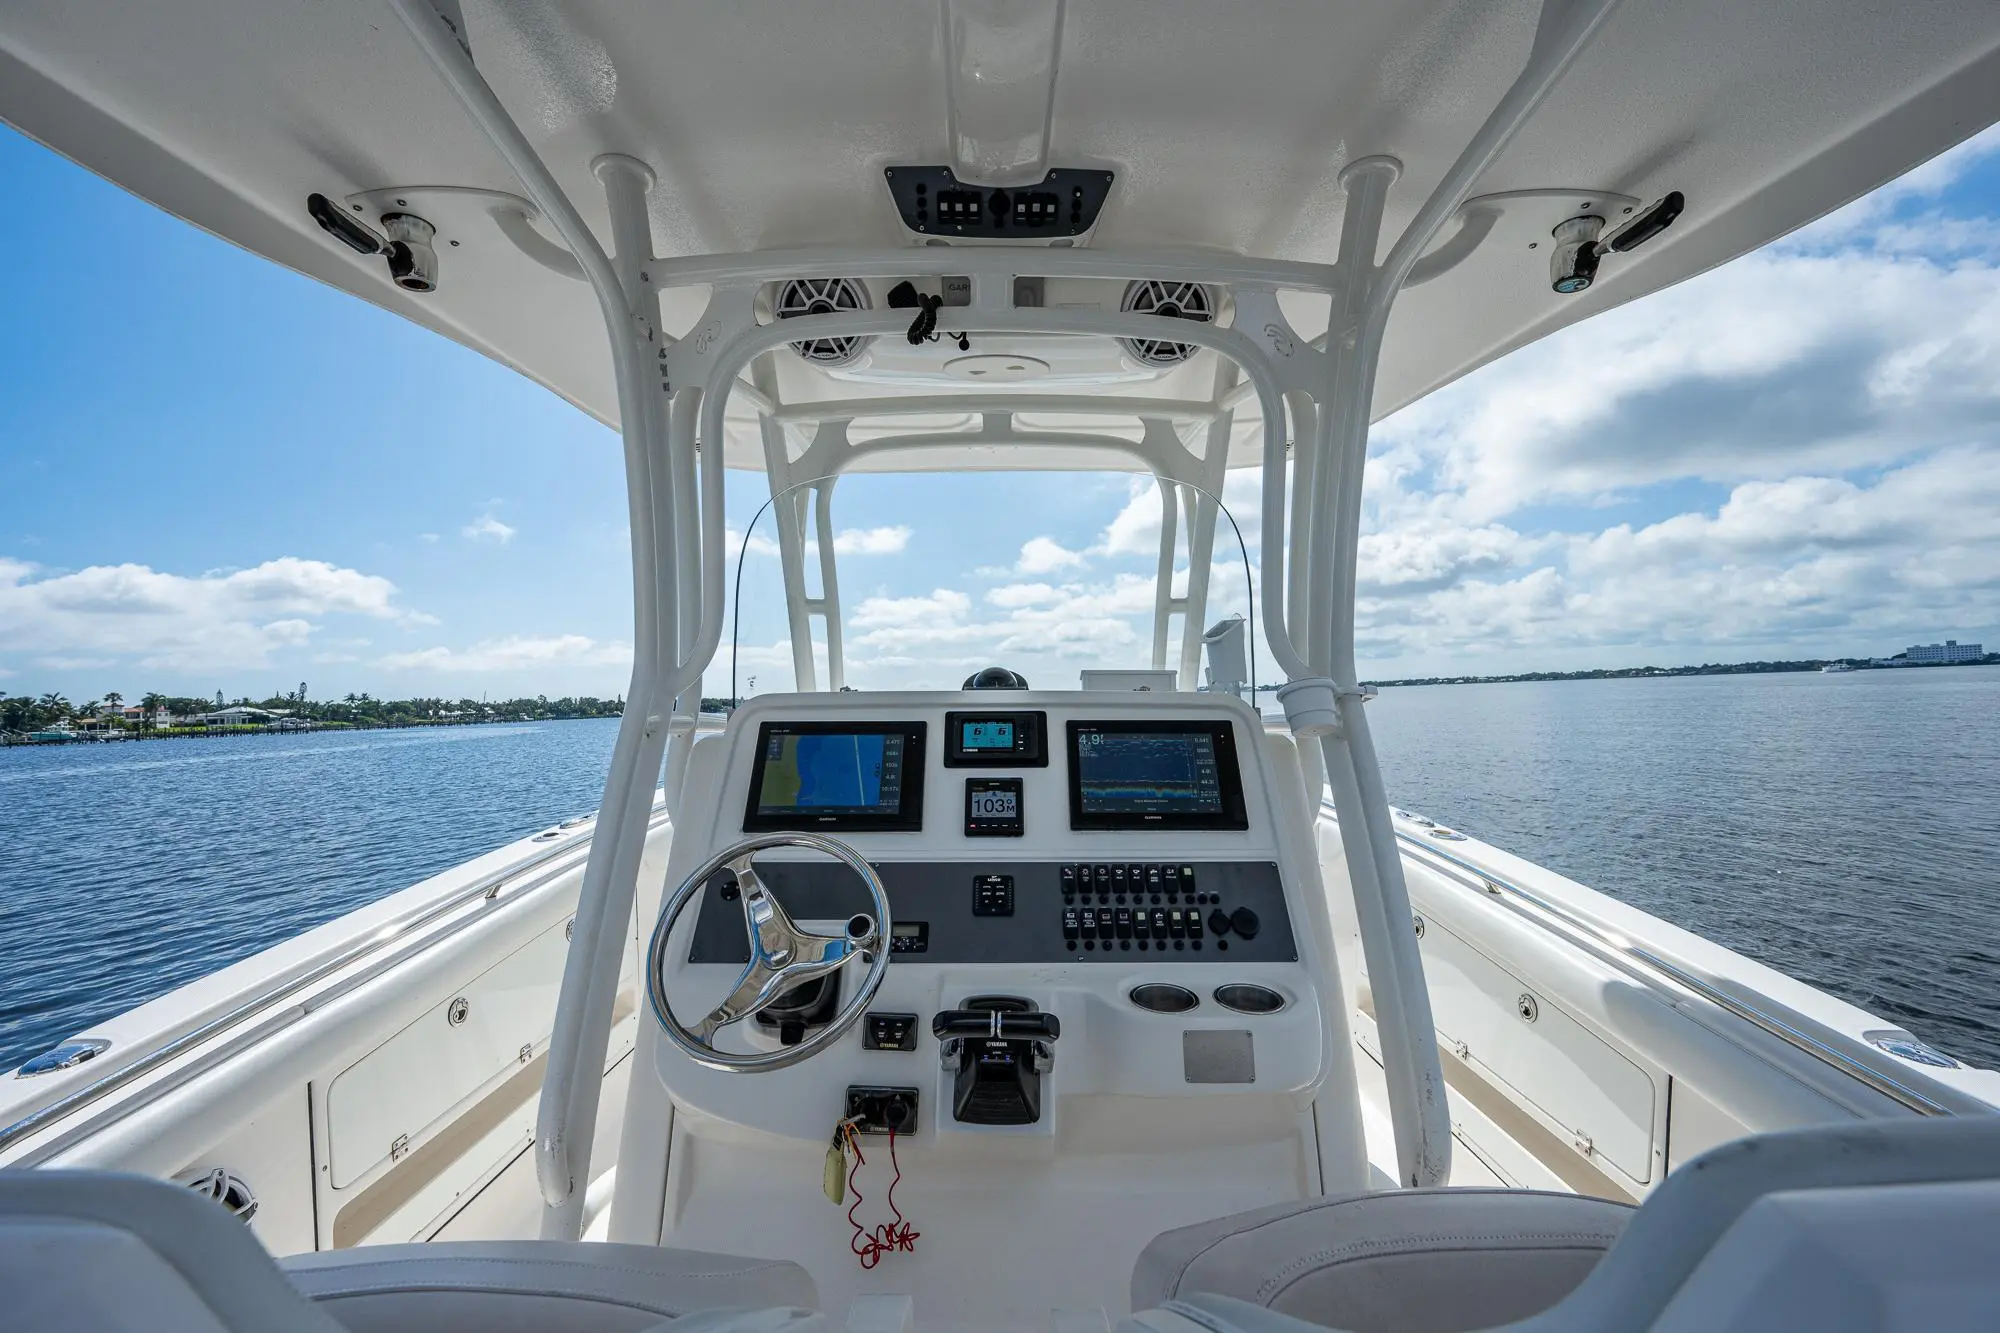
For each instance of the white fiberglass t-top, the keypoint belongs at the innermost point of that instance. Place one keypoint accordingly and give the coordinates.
(1039, 235)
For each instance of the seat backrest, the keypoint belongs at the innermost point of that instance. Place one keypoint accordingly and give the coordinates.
(1695, 1211)
(110, 1253)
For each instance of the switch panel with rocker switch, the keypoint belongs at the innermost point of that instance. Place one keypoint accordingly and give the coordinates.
(879, 1110)
(889, 1032)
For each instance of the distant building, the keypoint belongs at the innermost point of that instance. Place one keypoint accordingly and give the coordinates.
(1951, 650)
(238, 715)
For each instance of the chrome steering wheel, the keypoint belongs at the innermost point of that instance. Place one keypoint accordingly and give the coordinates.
(781, 955)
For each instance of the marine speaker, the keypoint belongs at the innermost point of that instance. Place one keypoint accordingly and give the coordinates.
(226, 1188)
(1173, 300)
(824, 296)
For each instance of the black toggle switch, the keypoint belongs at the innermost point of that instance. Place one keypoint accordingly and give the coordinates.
(1245, 921)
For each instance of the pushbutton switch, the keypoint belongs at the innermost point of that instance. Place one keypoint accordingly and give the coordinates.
(993, 895)
(1245, 922)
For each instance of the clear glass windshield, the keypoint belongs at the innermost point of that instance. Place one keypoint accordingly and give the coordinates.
(939, 575)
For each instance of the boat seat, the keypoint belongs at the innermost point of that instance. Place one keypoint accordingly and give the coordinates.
(527, 1286)
(112, 1253)
(1398, 1261)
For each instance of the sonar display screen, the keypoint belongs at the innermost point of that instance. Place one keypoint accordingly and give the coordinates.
(1154, 775)
(854, 777)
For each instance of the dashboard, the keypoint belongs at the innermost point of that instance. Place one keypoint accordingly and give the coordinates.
(1114, 875)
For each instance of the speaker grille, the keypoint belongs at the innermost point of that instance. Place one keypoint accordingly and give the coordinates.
(1172, 300)
(824, 296)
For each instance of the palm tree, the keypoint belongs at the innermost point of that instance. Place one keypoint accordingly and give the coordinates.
(55, 706)
(151, 704)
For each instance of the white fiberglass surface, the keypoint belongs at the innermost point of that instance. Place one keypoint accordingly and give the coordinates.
(1138, 1128)
(768, 126)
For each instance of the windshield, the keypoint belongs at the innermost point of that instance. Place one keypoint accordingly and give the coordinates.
(941, 575)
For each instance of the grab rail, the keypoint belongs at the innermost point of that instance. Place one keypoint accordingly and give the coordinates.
(486, 886)
(1633, 958)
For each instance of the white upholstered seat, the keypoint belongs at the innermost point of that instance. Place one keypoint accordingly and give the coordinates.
(1399, 1261)
(108, 1253)
(525, 1286)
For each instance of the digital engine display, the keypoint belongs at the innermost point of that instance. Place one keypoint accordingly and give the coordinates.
(997, 739)
(988, 734)
(1154, 775)
(857, 776)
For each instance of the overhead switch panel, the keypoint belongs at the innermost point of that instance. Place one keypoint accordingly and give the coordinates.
(933, 202)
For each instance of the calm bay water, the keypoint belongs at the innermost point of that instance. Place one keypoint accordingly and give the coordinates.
(1845, 829)
(131, 869)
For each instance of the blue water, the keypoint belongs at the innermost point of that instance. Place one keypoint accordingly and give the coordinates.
(1845, 829)
(131, 869)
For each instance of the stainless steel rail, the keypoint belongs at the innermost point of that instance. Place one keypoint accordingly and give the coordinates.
(485, 887)
(1650, 967)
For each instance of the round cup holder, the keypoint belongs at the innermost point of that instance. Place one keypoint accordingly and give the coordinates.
(1245, 998)
(1161, 998)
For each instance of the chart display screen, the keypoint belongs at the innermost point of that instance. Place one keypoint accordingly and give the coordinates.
(845, 775)
(987, 734)
(1154, 775)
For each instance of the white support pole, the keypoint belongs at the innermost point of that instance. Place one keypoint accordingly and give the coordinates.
(686, 411)
(661, 667)
(1411, 1064)
(635, 758)
(604, 907)
(1325, 698)
(1163, 578)
(828, 602)
(788, 514)
(1202, 510)
(1304, 423)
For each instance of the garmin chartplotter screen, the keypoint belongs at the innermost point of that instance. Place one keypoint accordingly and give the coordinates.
(1154, 775)
(847, 775)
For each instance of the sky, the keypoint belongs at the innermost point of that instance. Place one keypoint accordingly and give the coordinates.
(217, 475)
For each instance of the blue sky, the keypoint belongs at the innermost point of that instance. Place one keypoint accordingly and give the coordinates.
(223, 476)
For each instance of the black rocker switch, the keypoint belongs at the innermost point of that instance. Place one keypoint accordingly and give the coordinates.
(889, 1032)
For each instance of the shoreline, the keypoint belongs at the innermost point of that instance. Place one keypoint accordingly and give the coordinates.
(21, 741)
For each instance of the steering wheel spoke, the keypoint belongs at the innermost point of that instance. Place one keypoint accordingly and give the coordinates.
(783, 955)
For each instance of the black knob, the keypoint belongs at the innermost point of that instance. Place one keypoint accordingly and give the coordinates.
(1218, 921)
(1245, 922)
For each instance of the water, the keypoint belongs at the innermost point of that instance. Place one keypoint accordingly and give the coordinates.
(132, 869)
(1844, 829)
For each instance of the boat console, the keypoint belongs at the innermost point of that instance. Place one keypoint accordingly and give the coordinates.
(1107, 981)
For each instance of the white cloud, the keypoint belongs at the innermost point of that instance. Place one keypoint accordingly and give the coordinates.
(488, 528)
(176, 622)
(1014, 595)
(430, 537)
(941, 606)
(848, 541)
(871, 541)
(514, 653)
(1045, 555)
(732, 544)
(1802, 566)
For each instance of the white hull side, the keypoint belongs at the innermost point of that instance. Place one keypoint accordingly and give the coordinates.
(344, 1093)
(358, 1112)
